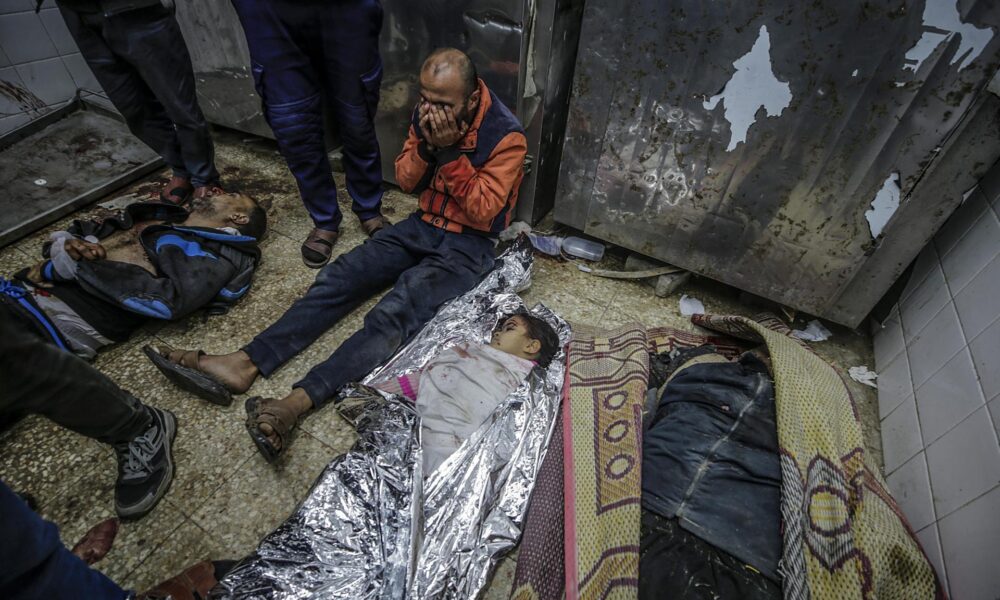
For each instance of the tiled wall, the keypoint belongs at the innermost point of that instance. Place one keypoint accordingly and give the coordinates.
(938, 359)
(40, 66)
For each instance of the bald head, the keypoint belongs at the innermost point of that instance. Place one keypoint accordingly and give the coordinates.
(448, 82)
(449, 66)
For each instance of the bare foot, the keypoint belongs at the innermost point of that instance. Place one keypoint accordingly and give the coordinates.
(235, 370)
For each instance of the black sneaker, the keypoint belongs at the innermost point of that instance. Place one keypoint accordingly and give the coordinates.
(145, 466)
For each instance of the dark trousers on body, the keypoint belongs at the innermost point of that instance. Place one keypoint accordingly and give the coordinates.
(35, 562)
(429, 267)
(140, 60)
(39, 378)
(311, 54)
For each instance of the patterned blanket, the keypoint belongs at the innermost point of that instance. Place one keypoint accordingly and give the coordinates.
(844, 535)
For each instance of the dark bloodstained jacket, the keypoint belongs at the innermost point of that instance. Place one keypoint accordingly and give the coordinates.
(195, 268)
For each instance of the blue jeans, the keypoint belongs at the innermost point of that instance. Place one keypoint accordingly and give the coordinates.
(140, 60)
(35, 562)
(306, 54)
(429, 267)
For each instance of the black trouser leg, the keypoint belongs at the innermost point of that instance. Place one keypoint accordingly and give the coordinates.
(39, 378)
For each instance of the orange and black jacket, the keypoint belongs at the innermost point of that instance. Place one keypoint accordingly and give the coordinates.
(473, 184)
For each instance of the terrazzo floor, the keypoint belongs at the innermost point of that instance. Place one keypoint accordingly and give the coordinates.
(225, 497)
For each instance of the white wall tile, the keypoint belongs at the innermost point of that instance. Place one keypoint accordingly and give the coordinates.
(888, 342)
(24, 39)
(900, 435)
(970, 541)
(936, 343)
(930, 541)
(8, 124)
(986, 356)
(13, 6)
(948, 397)
(893, 385)
(912, 491)
(926, 300)
(53, 22)
(82, 75)
(960, 222)
(10, 79)
(978, 304)
(921, 267)
(964, 463)
(972, 253)
(49, 80)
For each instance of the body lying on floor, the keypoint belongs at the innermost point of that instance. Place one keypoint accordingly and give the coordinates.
(460, 388)
(100, 281)
(711, 480)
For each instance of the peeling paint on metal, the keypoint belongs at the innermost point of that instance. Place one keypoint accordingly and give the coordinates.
(752, 86)
(942, 21)
(884, 205)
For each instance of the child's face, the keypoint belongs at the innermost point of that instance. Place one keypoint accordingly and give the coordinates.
(512, 337)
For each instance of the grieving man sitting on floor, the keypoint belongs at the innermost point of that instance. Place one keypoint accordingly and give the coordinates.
(100, 281)
(465, 157)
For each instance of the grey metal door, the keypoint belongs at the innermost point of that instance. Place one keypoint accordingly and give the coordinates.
(803, 151)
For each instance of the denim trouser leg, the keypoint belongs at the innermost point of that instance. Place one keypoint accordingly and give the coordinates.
(353, 76)
(35, 562)
(141, 61)
(301, 51)
(432, 267)
(39, 378)
(339, 288)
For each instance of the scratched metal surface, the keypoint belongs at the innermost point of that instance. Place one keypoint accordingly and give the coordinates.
(746, 141)
(525, 50)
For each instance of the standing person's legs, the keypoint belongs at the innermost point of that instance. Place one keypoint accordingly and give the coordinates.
(143, 113)
(150, 40)
(353, 75)
(290, 89)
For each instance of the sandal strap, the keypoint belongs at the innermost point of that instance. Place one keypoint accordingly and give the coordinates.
(281, 419)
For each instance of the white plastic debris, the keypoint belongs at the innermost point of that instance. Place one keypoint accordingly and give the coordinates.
(814, 332)
(863, 375)
(40, 182)
(513, 230)
(691, 306)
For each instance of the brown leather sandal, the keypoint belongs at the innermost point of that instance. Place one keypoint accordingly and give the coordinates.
(374, 224)
(182, 368)
(318, 247)
(281, 419)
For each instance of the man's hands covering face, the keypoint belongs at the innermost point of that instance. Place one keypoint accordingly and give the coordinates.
(440, 127)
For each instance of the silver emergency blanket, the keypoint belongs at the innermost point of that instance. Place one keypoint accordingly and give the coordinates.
(372, 526)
